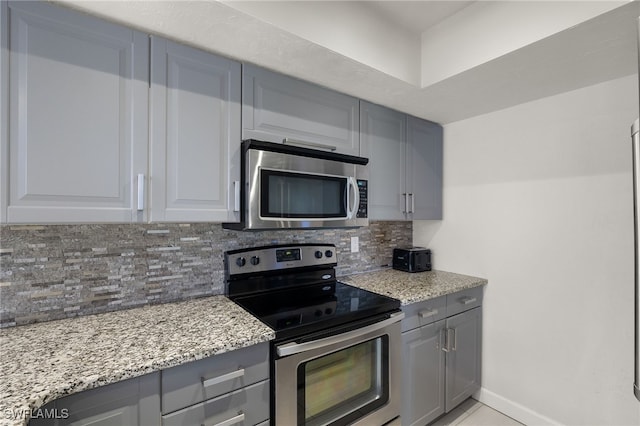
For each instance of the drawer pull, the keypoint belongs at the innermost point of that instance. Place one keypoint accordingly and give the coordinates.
(468, 300)
(224, 378)
(232, 421)
(427, 314)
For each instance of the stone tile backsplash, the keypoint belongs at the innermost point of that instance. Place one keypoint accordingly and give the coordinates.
(56, 271)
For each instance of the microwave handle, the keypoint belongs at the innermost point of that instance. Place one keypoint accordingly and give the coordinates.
(352, 183)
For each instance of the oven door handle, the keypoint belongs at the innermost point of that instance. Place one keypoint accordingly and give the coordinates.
(296, 348)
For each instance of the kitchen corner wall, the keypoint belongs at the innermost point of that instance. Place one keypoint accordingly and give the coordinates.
(537, 198)
(56, 271)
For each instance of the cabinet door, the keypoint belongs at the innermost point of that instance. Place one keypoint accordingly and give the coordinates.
(382, 140)
(424, 168)
(277, 107)
(195, 134)
(464, 356)
(129, 402)
(76, 84)
(423, 369)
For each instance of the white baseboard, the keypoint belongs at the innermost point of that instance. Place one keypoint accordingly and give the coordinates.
(512, 409)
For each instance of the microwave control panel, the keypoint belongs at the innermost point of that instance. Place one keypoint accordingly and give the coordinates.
(364, 198)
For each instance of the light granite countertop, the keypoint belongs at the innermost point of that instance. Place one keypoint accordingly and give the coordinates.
(412, 287)
(44, 361)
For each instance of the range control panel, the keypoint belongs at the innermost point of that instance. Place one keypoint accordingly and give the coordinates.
(274, 258)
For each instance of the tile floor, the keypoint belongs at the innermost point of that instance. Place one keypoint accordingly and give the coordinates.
(474, 413)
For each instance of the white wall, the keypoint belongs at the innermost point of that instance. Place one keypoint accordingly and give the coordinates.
(538, 199)
(487, 30)
(351, 28)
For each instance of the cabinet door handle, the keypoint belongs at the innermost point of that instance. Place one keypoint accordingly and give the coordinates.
(427, 314)
(444, 335)
(232, 421)
(406, 203)
(468, 300)
(224, 378)
(413, 203)
(289, 141)
(140, 192)
(448, 347)
(455, 339)
(236, 195)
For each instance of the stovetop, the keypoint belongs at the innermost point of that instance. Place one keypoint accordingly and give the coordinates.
(309, 309)
(293, 289)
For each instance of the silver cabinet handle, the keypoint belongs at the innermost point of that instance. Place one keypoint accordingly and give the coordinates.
(236, 194)
(296, 348)
(232, 421)
(140, 192)
(427, 314)
(445, 345)
(406, 203)
(455, 340)
(448, 339)
(468, 300)
(413, 203)
(224, 378)
(289, 141)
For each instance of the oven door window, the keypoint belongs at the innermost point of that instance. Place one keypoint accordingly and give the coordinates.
(292, 195)
(340, 387)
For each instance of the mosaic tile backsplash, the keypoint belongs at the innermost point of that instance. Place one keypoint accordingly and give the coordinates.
(58, 271)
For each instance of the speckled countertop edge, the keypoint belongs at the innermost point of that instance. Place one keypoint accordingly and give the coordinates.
(412, 287)
(45, 361)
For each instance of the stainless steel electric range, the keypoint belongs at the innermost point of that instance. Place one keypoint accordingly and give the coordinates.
(336, 356)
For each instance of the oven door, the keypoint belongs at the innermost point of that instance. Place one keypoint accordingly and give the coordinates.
(347, 378)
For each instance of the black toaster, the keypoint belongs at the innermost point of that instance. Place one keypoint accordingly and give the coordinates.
(412, 259)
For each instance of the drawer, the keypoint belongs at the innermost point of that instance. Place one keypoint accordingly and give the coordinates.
(199, 381)
(423, 313)
(464, 300)
(247, 406)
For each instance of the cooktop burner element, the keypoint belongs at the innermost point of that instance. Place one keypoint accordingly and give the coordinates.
(293, 289)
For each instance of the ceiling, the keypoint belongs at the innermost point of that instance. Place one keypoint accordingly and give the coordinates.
(599, 47)
(418, 16)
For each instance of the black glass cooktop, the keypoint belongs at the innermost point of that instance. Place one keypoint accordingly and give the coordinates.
(312, 308)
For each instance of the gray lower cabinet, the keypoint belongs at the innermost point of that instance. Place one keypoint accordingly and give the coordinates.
(227, 389)
(405, 164)
(275, 106)
(129, 402)
(441, 343)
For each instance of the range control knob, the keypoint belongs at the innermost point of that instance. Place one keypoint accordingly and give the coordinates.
(255, 260)
(328, 253)
(241, 261)
(318, 254)
(318, 313)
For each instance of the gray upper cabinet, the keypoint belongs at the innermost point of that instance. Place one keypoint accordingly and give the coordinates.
(77, 116)
(424, 168)
(195, 134)
(277, 107)
(383, 141)
(405, 164)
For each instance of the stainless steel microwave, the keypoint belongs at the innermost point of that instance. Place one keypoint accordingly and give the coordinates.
(286, 186)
